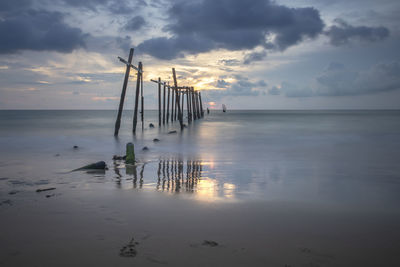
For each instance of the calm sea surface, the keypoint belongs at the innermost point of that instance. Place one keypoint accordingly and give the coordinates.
(344, 158)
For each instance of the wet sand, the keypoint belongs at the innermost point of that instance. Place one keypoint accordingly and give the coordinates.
(100, 227)
(239, 189)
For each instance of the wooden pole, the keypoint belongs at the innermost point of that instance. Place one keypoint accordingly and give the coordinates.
(136, 98)
(177, 98)
(183, 102)
(188, 105)
(193, 104)
(159, 101)
(201, 106)
(122, 99)
(164, 104)
(168, 103)
(172, 104)
(142, 99)
(197, 104)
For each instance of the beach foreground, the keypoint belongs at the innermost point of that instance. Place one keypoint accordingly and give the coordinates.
(259, 190)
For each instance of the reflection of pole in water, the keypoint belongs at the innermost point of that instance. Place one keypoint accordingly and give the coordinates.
(131, 170)
(141, 176)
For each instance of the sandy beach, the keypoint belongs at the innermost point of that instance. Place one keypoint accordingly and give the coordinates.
(205, 197)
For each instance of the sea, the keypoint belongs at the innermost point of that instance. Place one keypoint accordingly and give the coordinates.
(344, 158)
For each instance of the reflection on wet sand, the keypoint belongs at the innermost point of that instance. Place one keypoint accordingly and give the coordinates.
(175, 176)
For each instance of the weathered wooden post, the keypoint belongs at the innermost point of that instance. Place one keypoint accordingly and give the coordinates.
(142, 99)
(177, 98)
(197, 105)
(136, 98)
(188, 105)
(201, 106)
(183, 102)
(169, 89)
(193, 104)
(172, 103)
(164, 105)
(159, 101)
(122, 99)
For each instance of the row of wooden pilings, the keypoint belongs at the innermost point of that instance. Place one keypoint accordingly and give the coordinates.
(175, 93)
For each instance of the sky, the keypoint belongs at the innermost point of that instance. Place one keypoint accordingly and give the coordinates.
(254, 54)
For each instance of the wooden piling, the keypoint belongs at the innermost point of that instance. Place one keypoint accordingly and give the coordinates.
(122, 99)
(169, 89)
(188, 105)
(201, 106)
(172, 103)
(197, 105)
(177, 98)
(136, 98)
(164, 105)
(159, 101)
(193, 104)
(142, 99)
(183, 102)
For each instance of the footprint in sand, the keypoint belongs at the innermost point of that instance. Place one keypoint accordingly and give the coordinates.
(129, 250)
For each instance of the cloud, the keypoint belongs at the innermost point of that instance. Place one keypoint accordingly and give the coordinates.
(233, 25)
(254, 56)
(337, 80)
(229, 62)
(23, 28)
(112, 6)
(135, 23)
(343, 33)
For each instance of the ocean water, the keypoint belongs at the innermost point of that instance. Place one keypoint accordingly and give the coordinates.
(342, 158)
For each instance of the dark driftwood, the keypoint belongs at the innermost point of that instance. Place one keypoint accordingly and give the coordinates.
(169, 89)
(122, 99)
(177, 99)
(159, 101)
(164, 105)
(136, 98)
(201, 106)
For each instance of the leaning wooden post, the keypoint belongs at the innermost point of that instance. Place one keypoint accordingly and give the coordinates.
(168, 102)
(188, 105)
(159, 101)
(201, 106)
(121, 101)
(137, 98)
(177, 98)
(164, 104)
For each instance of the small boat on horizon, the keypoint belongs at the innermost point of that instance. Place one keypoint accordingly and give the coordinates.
(223, 108)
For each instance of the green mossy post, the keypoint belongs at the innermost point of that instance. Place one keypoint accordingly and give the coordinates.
(130, 153)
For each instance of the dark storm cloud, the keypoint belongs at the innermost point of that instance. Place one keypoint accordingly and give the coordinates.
(343, 33)
(23, 28)
(135, 23)
(233, 25)
(254, 56)
(38, 30)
